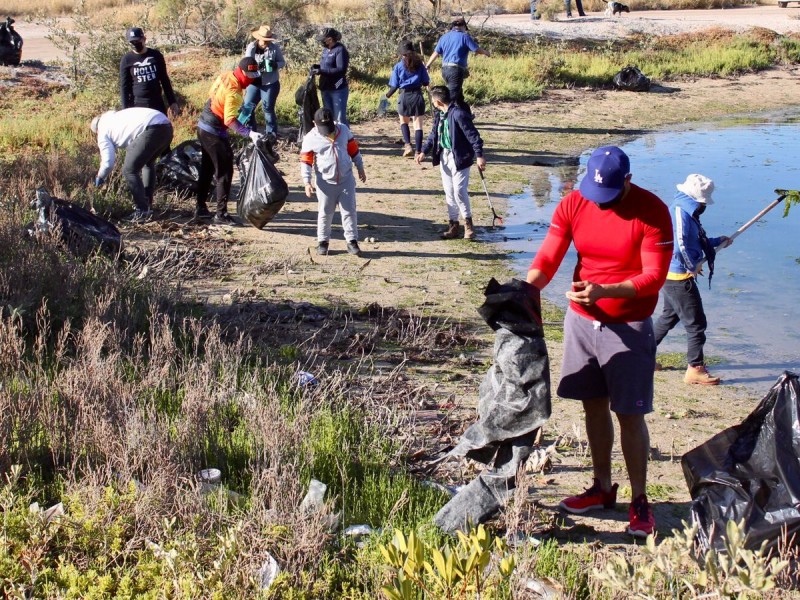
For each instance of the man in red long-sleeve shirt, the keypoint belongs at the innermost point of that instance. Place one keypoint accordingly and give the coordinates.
(623, 236)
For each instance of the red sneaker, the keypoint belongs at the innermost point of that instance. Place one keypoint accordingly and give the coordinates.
(591, 499)
(642, 522)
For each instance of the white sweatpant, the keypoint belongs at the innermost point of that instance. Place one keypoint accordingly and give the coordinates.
(329, 195)
(456, 186)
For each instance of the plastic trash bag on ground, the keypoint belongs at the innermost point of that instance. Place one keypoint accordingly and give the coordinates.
(631, 79)
(82, 232)
(263, 189)
(750, 472)
(514, 403)
(179, 169)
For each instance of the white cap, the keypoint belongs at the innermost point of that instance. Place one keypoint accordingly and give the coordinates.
(698, 187)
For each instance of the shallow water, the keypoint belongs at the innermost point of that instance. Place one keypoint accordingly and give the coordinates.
(753, 305)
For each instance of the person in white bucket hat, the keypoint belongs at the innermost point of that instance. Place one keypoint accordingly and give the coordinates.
(680, 294)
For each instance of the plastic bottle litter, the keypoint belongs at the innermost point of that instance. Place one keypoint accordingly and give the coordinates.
(210, 475)
(306, 379)
(358, 530)
(268, 572)
(315, 497)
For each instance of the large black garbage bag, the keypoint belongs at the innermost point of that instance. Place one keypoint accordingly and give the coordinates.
(750, 472)
(514, 403)
(179, 170)
(632, 79)
(10, 44)
(307, 98)
(82, 232)
(263, 190)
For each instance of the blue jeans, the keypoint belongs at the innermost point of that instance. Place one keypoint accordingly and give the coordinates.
(336, 101)
(269, 96)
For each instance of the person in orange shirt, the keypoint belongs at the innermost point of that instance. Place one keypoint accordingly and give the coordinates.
(219, 115)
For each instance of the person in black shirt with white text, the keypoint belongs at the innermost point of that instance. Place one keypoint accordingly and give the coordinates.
(143, 75)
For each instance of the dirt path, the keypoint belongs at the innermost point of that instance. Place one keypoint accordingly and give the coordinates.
(406, 265)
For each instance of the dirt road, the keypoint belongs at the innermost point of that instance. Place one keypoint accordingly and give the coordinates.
(594, 26)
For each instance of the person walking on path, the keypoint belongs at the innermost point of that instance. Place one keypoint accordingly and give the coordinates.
(680, 294)
(578, 5)
(623, 237)
(330, 151)
(332, 71)
(454, 48)
(220, 115)
(270, 60)
(454, 144)
(143, 75)
(146, 133)
(409, 75)
(535, 16)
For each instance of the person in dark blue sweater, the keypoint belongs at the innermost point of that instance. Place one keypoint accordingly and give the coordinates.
(409, 75)
(454, 144)
(332, 71)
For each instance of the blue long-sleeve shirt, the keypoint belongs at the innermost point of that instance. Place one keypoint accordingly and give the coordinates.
(333, 68)
(687, 250)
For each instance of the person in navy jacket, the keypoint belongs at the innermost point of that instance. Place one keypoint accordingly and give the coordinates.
(332, 71)
(680, 294)
(454, 144)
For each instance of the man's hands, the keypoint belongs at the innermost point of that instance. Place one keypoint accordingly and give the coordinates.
(419, 158)
(362, 175)
(255, 136)
(315, 69)
(309, 190)
(173, 111)
(481, 162)
(585, 293)
(98, 181)
(724, 242)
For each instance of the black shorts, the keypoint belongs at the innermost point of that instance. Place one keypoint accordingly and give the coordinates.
(411, 103)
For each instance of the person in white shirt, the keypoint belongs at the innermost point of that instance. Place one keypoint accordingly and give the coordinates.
(146, 133)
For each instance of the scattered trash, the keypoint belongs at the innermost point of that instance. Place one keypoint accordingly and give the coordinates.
(545, 589)
(49, 515)
(268, 572)
(358, 530)
(541, 460)
(749, 472)
(314, 499)
(517, 539)
(306, 379)
(210, 475)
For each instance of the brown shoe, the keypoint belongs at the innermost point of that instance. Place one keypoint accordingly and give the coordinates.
(452, 231)
(658, 367)
(700, 374)
(408, 151)
(469, 231)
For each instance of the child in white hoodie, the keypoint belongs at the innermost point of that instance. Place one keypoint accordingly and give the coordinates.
(330, 149)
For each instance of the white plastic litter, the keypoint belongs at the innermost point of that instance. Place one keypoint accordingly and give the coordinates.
(358, 530)
(314, 499)
(210, 475)
(268, 572)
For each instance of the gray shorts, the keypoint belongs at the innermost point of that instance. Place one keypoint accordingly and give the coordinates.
(614, 360)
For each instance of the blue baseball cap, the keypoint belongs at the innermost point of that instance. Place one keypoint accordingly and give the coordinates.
(606, 171)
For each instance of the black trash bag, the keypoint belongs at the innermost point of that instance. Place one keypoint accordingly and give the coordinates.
(307, 98)
(750, 472)
(179, 169)
(631, 79)
(82, 232)
(263, 189)
(514, 402)
(10, 44)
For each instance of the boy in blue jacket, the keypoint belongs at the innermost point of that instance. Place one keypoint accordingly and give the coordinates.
(680, 294)
(454, 145)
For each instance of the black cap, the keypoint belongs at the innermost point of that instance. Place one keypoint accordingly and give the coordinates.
(405, 47)
(323, 119)
(249, 67)
(134, 34)
(329, 32)
(459, 22)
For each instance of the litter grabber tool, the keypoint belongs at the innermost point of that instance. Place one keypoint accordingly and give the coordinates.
(793, 195)
(495, 216)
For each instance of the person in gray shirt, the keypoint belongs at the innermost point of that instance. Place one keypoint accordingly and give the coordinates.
(270, 59)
